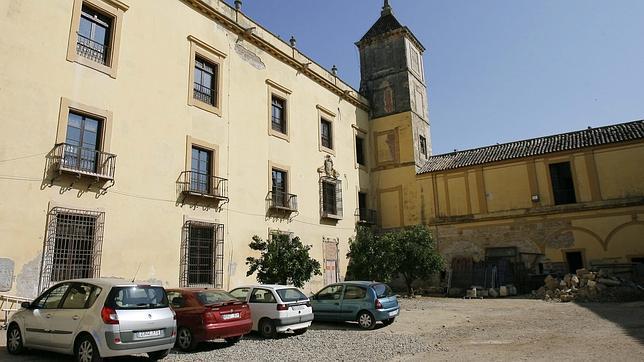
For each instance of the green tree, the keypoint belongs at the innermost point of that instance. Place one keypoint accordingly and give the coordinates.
(283, 260)
(410, 252)
(415, 253)
(370, 257)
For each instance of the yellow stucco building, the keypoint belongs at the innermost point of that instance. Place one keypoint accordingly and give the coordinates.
(156, 140)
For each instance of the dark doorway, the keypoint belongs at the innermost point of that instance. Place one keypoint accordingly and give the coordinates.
(574, 260)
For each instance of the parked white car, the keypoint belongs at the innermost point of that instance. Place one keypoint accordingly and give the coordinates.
(276, 308)
(96, 318)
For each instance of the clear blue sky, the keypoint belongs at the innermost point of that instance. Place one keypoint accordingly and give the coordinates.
(497, 70)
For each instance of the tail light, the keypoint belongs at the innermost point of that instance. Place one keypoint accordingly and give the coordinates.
(109, 315)
(378, 304)
(209, 317)
(282, 307)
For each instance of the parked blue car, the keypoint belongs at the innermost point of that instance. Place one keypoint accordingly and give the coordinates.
(364, 302)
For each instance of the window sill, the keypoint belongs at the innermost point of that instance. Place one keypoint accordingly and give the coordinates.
(105, 69)
(204, 106)
(332, 217)
(327, 150)
(278, 134)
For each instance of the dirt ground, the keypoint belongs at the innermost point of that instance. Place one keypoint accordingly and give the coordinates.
(471, 330)
(524, 329)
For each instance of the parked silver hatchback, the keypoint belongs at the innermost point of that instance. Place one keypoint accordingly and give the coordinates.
(96, 318)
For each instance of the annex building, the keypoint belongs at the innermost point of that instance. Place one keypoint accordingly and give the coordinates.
(149, 140)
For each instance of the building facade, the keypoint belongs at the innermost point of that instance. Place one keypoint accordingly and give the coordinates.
(152, 141)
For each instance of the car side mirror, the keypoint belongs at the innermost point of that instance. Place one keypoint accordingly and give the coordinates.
(26, 305)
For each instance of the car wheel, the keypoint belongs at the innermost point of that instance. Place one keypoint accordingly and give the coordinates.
(86, 350)
(300, 331)
(267, 328)
(388, 321)
(14, 340)
(185, 340)
(157, 355)
(366, 320)
(233, 340)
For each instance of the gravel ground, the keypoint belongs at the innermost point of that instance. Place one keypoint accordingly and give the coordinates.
(445, 330)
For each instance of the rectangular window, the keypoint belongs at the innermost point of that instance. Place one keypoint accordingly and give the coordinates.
(331, 198)
(423, 145)
(205, 81)
(202, 255)
(362, 200)
(278, 114)
(94, 35)
(360, 159)
(72, 246)
(326, 134)
(82, 143)
(563, 187)
(201, 171)
(279, 188)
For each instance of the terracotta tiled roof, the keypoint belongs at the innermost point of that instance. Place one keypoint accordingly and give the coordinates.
(590, 137)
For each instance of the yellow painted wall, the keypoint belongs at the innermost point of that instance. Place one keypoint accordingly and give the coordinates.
(621, 171)
(151, 119)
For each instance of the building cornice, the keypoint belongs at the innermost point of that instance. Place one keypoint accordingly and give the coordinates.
(278, 49)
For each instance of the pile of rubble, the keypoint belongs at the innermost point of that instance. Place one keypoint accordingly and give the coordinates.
(589, 286)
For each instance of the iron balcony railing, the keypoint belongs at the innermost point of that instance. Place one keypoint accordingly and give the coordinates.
(86, 161)
(366, 216)
(92, 50)
(203, 184)
(204, 94)
(280, 200)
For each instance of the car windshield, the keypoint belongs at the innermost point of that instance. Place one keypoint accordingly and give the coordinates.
(214, 296)
(382, 290)
(290, 295)
(137, 297)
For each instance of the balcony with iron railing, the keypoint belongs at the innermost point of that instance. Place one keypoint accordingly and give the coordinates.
(67, 158)
(203, 185)
(92, 50)
(281, 201)
(366, 216)
(204, 94)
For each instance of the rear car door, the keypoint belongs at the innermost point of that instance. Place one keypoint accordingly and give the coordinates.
(327, 303)
(66, 319)
(354, 299)
(262, 304)
(37, 322)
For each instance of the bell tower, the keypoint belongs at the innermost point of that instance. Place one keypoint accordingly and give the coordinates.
(393, 80)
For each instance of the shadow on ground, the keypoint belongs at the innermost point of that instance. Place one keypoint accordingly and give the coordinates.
(629, 316)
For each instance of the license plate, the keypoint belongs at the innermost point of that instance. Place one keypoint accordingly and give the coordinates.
(230, 316)
(391, 314)
(298, 307)
(148, 334)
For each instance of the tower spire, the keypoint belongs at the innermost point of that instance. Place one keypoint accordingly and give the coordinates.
(386, 9)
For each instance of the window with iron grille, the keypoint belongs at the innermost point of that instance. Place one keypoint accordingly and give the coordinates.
(278, 114)
(202, 255)
(330, 197)
(563, 186)
(72, 246)
(205, 81)
(326, 133)
(94, 35)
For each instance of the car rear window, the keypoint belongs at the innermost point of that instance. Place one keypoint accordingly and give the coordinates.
(214, 296)
(382, 290)
(137, 297)
(290, 295)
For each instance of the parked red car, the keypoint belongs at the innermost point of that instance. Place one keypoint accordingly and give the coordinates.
(207, 314)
